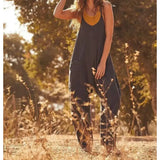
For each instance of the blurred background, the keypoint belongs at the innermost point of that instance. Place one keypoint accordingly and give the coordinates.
(37, 51)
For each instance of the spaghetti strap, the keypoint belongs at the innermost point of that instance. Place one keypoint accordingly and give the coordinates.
(101, 10)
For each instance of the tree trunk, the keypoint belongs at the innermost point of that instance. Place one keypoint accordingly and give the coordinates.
(153, 90)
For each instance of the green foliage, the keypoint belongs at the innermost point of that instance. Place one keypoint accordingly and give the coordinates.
(51, 40)
(139, 97)
(13, 60)
(135, 24)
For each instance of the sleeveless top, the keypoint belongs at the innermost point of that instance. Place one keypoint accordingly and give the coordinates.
(89, 44)
(87, 54)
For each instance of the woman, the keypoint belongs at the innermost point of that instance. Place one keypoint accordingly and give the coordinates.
(91, 65)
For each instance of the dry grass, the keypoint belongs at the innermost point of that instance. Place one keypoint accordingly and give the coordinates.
(66, 147)
(27, 139)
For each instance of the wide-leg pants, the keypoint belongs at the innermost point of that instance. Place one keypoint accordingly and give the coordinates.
(107, 89)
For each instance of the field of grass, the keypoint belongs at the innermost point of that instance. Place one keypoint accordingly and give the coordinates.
(66, 147)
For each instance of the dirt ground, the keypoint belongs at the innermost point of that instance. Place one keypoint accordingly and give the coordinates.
(66, 147)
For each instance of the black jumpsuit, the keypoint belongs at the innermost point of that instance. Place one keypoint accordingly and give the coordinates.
(86, 55)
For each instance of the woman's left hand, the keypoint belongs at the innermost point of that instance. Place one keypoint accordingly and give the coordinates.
(100, 70)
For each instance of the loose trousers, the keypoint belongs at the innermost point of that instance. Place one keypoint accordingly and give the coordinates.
(108, 90)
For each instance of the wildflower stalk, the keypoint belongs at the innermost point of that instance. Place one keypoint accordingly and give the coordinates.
(132, 98)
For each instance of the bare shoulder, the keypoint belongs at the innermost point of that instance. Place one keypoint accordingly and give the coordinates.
(107, 12)
(107, 4)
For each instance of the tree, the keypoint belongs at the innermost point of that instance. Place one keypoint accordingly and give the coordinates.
(14, 54)
(135, 24)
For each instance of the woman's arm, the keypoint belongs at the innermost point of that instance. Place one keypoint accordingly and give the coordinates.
(64, 14)
(109, 27)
